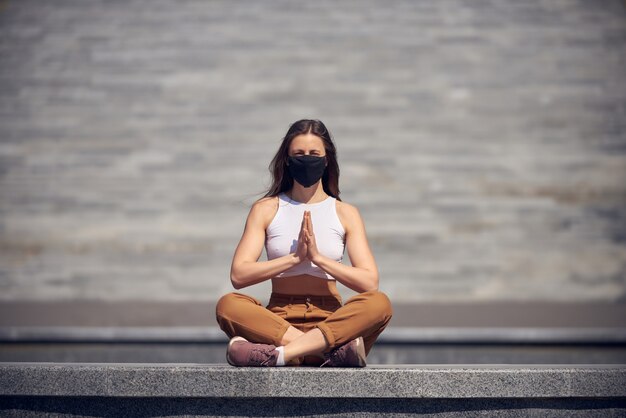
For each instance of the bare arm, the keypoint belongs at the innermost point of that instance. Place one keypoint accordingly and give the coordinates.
(363, 274)
(245, 269)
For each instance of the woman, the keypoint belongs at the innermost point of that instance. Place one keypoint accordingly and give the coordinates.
(304, 226)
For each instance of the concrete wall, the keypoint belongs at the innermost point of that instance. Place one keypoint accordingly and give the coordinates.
(484, 142)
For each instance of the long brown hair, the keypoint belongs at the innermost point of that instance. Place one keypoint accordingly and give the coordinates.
(282, 180)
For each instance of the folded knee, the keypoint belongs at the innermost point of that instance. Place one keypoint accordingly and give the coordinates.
(380, 305)
(226, 303)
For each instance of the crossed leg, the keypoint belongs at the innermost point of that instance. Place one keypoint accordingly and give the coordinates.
(365, 314)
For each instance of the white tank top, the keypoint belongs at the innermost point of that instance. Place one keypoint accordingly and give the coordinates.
(281, 235)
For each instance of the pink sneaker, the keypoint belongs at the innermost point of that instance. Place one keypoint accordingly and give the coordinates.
(242, 352)
(350, 354)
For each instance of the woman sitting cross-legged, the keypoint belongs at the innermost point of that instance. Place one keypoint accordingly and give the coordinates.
(304, 227)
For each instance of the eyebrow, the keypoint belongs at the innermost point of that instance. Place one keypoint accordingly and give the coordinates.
(299, 149)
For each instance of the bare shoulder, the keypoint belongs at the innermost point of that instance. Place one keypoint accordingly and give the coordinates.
(264, 209)
(346, 208)
(348, 214)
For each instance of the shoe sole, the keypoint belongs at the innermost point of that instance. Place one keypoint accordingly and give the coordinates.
(360, 350)
(232, 340)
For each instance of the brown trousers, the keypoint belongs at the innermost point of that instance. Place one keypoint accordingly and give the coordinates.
(365, 314)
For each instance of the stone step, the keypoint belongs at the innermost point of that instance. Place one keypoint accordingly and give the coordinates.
(443, 345)
(82, 389)
(386, 354)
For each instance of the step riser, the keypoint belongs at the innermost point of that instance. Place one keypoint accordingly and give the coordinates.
(566, 408)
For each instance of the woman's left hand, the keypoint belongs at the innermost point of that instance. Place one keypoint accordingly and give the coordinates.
(309, 236)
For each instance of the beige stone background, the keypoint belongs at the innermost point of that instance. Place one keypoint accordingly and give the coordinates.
(484, 142)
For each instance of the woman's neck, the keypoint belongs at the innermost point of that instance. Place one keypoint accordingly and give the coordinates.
(311, 194)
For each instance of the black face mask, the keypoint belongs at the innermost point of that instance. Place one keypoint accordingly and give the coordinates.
(306, 169)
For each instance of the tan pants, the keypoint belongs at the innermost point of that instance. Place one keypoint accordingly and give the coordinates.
(365, 314)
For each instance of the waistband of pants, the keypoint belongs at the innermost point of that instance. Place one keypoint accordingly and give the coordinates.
(315, 299)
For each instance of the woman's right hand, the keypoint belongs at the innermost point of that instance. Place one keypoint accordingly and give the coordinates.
(301, 249)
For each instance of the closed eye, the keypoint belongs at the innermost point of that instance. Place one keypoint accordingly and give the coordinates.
(301, 152)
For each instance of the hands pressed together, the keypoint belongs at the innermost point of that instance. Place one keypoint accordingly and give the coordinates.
(307, 247)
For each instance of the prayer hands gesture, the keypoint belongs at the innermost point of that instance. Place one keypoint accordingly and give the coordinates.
(307, 247)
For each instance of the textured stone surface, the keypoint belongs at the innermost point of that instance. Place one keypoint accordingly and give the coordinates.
(484, 142)
(42, 389)
(398, 381)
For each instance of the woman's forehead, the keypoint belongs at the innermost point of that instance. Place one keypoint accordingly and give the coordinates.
(307, 142)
